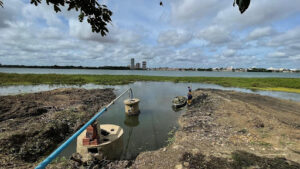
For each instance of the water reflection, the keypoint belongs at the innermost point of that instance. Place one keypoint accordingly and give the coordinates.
(131, 121)
(177, 109)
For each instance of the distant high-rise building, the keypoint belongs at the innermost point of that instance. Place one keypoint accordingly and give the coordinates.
(132, 63)
(137, 65)
(144, 65)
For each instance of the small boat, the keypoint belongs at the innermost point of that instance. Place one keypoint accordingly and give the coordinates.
(179, 101)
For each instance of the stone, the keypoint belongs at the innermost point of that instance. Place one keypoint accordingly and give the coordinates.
(186, 164)
(179, 166)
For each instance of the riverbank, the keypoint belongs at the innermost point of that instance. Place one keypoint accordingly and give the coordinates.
(227, 129)
(223, 129)
(32, 125)
(274, 84)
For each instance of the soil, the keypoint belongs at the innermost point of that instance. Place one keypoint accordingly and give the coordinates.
(32, 125)
(228, 129)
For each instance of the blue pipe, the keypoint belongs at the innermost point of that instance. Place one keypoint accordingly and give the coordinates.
(53, 155)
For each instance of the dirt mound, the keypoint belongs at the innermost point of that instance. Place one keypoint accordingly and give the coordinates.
(32, 125)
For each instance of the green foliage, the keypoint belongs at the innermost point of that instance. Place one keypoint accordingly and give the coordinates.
(250, 83)
(98, 16)
(171, 136)
(258, 70)
(243, 5)
(60, 160)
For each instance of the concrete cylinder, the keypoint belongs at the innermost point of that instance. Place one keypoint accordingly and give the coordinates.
(132, 106)
(109, 147)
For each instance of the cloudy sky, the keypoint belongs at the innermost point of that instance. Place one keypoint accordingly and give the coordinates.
(182, 33)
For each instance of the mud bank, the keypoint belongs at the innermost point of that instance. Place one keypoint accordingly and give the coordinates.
(227, 129)
(32, 125)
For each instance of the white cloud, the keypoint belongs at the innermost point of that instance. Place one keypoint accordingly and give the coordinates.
(214, 34)
(174, 37)
(291, 37)
(10, 11)
(277, 54)
(194, 10)
(296, 58)
(82, 30)
(229, 53)
(42, 12)
(260, 32)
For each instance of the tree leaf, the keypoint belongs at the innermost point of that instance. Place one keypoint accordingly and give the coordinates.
(56, 8)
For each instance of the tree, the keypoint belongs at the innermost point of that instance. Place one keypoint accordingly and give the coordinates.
(98, 16)
(243, 4)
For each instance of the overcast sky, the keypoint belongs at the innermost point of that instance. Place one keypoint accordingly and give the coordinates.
(182, 33)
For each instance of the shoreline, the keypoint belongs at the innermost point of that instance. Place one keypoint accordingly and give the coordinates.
(273, 84)
(223, 129)
(258, 70)
(228, 129)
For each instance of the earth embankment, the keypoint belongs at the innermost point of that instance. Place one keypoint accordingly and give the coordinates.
(32, 125)
(227, 129)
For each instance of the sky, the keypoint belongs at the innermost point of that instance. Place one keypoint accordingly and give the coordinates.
(181, 33)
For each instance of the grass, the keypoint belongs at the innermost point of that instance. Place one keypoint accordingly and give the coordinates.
(171, 136)
(275, 84)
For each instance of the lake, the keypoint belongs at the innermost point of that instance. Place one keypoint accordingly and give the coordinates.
(148, 72)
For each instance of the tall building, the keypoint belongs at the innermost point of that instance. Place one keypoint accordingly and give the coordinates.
(132, 63)
(144, 65)
(137, 65)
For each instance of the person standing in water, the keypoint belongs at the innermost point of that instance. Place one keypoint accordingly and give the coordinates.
(189, 96)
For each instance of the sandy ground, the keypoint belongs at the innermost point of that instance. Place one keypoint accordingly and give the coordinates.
(32, 125)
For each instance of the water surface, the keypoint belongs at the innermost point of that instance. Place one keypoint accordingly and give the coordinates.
(148, 72)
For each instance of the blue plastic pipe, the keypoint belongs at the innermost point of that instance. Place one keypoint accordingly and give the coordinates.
(53, 155)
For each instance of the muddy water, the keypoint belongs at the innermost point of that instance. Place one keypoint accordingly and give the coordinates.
(148, 131)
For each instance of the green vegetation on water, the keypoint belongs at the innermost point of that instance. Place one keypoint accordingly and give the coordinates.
(276, 84)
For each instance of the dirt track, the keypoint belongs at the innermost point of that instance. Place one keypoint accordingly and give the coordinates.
(32, 125)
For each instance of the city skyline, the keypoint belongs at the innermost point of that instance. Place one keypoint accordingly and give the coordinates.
(137, 65)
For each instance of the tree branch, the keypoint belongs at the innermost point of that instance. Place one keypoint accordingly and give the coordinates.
(98, 16)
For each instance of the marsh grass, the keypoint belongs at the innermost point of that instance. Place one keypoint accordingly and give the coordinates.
(274, 84)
